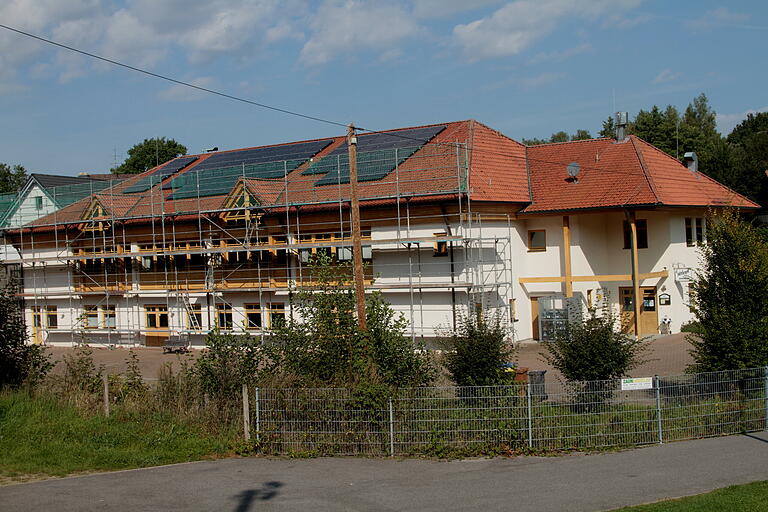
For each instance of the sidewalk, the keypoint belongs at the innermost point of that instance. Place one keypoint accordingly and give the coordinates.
(572, 482)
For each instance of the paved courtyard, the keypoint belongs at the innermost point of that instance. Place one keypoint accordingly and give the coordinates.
(667, 355)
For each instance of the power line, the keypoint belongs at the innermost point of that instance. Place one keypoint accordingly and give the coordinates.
(469, 148)
(173, 80)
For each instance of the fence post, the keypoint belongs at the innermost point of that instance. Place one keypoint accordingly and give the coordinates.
(658, 409)
(530, 414)
(391, 429)
(105, 379)
(258, 416)
(246, 414)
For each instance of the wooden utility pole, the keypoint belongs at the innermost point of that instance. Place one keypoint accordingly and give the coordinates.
(357, 243)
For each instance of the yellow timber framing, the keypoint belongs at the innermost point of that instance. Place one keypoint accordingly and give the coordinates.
(600, 277)
(567, 256)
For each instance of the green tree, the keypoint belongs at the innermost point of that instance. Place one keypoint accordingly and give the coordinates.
(11, 178)
(581, 135)
(748, 143)
(323, 345)
(19, 362)
(148, 154)
(729, 296)
(560, 136)
(478, 350)
(608, 129)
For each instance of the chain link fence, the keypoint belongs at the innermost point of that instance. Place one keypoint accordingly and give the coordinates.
(555, 416)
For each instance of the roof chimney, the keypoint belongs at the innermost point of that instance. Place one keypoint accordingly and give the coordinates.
(621, 126)
(691, 161)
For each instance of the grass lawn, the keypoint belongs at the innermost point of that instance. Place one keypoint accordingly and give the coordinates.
(737, 498)
(41, 436)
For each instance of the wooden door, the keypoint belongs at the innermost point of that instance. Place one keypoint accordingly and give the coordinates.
(535, 318)
(37, 325)
(649, 316)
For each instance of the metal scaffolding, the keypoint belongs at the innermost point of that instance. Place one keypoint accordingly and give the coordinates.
(120, 267)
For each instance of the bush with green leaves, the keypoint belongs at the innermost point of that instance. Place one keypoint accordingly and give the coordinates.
(229, 361)
(477, 350)
(593, 348)
(730, 296)
(20, 362)
(323, 345)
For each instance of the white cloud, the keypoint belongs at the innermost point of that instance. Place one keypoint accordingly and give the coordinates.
(444, 8)
(719, 16)
(179, 92)
(561, 55)
(344, 27)
(515, 26)
(666, 75)
(140, 32)
(530, 82)
(727, 122)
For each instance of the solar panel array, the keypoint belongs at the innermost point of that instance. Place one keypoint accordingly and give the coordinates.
(377, 155)
(219, 173)
(158, 175)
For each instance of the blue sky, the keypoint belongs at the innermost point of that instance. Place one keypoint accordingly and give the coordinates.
(525, 67)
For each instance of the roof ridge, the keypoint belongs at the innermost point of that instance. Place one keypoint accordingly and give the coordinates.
(644, 169)
(568, 142)
(498, 132)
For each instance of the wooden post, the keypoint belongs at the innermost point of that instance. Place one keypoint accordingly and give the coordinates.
(635, 270)
(567, 255)
(246, 414)
(357, 244)
(105, 379)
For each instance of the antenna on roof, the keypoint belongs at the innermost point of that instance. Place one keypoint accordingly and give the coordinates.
(573, 171)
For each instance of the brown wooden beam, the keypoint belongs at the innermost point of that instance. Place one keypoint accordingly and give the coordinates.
(635, 270)
(567, 256)
(602, 277)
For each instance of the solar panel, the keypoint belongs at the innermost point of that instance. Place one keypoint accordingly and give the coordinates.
(218, 173)
(152, 179)
(300, 151)
(377, 155)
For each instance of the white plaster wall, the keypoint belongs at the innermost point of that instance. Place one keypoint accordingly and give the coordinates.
(27, 211)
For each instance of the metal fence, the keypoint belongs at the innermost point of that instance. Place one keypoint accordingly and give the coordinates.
(559, 416)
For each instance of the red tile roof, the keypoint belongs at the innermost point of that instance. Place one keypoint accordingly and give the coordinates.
(465, 155)
(618, 174)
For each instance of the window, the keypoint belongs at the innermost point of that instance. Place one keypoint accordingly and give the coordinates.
(695, 231)
(537, 240)
(157, 316)
(642, 234)
(224, 316)
(36, 317)
(51, 320)
(91, 317)
(253, 316)
(441, 246)
(195, 317)
(276, 314)
(108, 317)
(39, 203)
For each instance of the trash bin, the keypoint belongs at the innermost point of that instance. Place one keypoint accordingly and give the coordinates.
(538, 384)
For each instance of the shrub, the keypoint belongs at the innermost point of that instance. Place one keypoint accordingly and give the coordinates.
(19, 362)
(729, 296)
(594, 348)
(228, 362)
(478, 350)
(323, 345)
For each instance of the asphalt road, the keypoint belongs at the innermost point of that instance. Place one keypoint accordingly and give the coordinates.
(574, 482)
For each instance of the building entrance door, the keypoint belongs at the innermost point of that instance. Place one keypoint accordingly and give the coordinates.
(649, 316)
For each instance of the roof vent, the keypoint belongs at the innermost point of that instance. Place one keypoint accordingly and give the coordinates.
(691, 161)
(621, 121)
